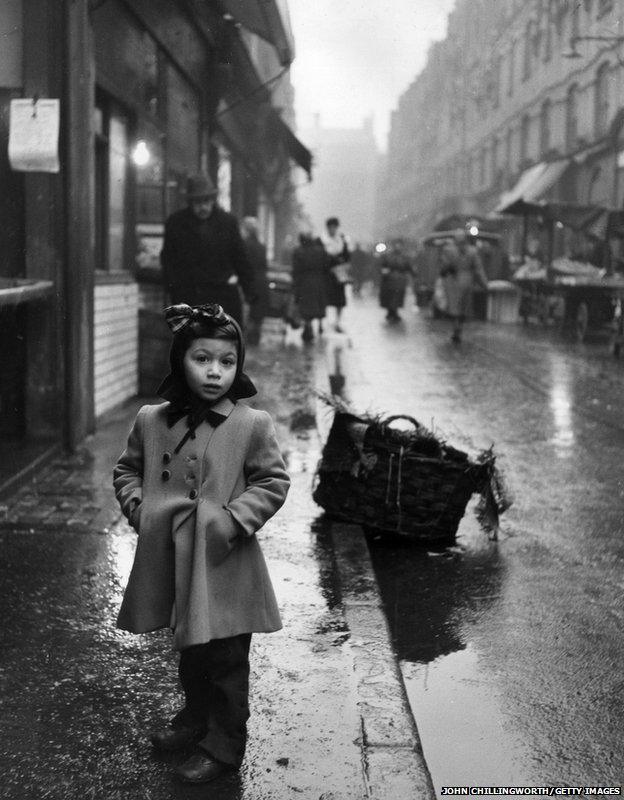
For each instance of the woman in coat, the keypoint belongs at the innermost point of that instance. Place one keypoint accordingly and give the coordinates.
(309, 271)
(396, 269)
(461, 273)
(337, 249)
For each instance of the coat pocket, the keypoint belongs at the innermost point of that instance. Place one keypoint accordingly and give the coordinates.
(222, 532)
(135, 516)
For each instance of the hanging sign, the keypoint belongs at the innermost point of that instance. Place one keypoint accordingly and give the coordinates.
(34, 134)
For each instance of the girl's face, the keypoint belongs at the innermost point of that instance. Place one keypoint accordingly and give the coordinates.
(210, 367)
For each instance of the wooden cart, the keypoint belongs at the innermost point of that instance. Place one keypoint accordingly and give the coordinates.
(592, 308)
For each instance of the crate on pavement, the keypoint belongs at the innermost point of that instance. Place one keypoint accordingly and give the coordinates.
(403, 482)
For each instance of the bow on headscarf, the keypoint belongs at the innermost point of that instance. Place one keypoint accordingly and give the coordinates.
(181, 315)
(183, 403)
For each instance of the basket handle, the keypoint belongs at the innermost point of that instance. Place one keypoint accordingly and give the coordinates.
(390, 419)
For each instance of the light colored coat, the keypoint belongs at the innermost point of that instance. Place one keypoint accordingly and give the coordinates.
(198, 566)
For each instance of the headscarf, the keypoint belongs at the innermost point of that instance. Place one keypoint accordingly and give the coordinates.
(194, 322)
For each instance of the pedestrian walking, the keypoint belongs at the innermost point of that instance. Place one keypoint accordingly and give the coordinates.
(337, 248)
(257, 257)
(200, 475)
(309, 272)
(359, 265)
(461, 272)
(203, 256)
(396, 268)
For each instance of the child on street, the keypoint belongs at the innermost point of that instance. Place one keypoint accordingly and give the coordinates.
(200, 475)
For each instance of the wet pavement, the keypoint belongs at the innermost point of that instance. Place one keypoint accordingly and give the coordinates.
(329, 717)
(511, 651)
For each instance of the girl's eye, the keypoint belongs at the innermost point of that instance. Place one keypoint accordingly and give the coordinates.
(228, 362)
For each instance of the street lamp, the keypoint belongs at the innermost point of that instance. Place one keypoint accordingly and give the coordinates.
(574, 40)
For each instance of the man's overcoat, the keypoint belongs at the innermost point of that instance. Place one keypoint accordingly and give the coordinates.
(200, 256)
(198, 566)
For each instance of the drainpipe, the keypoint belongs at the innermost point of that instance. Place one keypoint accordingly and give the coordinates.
(79, 188)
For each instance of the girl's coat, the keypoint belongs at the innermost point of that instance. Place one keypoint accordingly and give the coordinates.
(198, 566)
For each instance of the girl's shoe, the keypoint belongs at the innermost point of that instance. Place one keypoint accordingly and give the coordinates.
(175, 738)
(201, 768)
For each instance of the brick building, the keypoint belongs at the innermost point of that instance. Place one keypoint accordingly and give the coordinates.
(149, 91)
(512, 102)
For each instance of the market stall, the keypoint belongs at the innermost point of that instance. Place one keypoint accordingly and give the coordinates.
(580, 292)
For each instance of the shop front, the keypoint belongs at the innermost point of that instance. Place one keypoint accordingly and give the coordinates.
(138, 84)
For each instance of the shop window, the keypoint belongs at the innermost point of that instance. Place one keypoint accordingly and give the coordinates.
(111, 185)
(601, 100)
(545, 114)
(224, 178)
(572, 118)
(183, 123)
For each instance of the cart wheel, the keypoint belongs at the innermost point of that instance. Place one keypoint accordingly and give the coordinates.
(582, 318)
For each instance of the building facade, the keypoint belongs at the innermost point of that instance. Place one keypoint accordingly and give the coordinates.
(514, 85)
(149, 91)
(346, 162)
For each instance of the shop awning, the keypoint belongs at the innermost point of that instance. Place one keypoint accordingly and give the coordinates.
(252, 128)
(297, 151)
(249, 121)
(532, 185)
(268, 19)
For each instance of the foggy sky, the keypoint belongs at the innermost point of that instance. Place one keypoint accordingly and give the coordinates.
(355, 57)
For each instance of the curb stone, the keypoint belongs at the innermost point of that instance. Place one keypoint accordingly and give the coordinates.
(392, 756)
(393, 762)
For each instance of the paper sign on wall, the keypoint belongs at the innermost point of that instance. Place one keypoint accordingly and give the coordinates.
(34, 134)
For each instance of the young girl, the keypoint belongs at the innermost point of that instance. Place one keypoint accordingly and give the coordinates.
(200, 475)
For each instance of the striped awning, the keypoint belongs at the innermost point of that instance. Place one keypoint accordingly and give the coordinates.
(532, 185)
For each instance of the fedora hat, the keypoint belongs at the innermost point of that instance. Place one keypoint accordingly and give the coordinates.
(198, 186)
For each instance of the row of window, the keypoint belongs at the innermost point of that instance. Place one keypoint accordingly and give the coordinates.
(538, 42)
(486, 167)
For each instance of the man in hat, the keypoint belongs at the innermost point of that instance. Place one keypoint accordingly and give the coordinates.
(203, 257)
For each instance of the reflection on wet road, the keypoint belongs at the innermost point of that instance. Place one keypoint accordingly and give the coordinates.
(511, 651)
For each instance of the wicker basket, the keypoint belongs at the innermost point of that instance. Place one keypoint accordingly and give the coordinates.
(406, 483)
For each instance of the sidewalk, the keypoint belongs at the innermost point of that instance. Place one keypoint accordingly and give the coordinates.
(329, 716)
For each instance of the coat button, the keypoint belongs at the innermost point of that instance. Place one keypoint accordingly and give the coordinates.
(193, 494)
(166, 474)
(166, 458)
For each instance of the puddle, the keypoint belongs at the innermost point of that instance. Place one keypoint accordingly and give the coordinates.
(462, 724)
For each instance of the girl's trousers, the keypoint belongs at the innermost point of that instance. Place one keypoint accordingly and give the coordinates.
(215, 680)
